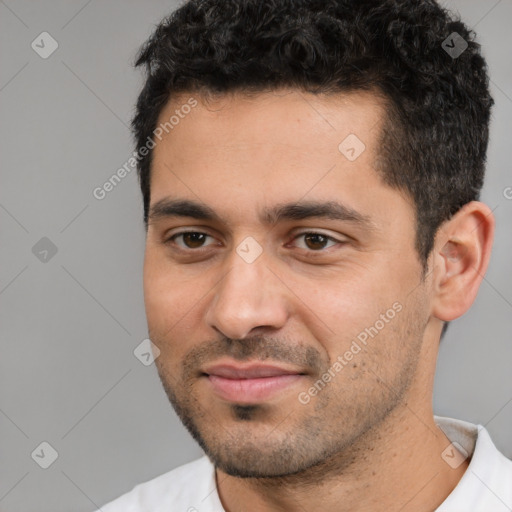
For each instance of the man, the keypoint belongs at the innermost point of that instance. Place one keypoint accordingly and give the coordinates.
(311, 172)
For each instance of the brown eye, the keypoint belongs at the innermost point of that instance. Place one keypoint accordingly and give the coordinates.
(315, 241)
(194, 240)
(190, 239)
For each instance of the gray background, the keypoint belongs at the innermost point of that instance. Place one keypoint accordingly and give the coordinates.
(70, 325)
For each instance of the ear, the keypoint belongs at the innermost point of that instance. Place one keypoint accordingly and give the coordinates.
(461, 254)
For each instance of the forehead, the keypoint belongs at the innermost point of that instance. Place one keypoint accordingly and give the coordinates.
(236, 150)
(312, 122)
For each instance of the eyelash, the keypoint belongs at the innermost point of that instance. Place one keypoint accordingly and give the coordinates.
(298, 235)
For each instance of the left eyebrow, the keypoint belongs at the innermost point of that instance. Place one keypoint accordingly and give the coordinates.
(316, 209)
(300, 210)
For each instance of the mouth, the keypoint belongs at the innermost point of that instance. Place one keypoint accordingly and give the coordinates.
(250, 383)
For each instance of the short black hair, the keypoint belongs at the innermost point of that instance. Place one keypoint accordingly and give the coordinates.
(416, 55)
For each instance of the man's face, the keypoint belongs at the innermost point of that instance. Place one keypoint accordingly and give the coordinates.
(256, 283)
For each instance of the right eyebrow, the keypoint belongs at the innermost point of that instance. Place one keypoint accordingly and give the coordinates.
(181, 208)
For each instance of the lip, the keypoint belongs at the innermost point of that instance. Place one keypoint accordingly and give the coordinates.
(250, 383)
(248, 371)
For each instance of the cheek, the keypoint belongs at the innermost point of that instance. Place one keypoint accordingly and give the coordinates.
(346, 303)
(171, 304)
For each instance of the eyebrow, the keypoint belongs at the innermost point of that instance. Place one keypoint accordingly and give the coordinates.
(299, 210)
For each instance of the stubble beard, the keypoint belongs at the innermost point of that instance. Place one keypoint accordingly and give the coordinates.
(303, 444)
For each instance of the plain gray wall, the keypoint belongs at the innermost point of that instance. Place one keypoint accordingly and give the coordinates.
(68, 375)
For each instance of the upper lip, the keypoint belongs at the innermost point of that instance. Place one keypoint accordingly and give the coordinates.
(251, 371)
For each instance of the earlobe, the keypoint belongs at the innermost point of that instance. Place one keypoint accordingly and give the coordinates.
(461, 256)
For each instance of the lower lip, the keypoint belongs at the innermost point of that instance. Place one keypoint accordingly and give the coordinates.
(251, 390)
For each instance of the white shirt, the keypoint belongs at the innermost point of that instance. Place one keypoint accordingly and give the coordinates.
(486, 486)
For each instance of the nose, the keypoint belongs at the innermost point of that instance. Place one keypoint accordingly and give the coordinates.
(249, 297)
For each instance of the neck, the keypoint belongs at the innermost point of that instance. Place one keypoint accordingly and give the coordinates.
(395, 466)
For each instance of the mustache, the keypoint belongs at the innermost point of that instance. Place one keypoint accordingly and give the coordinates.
(259, 348)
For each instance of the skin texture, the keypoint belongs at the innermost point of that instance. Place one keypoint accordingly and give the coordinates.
(367, 440)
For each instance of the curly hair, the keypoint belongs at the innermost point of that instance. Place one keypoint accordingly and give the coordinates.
(434, 142)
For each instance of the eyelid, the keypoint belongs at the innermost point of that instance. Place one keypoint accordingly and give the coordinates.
(313, 231)
(168, 239)
(204, 230)
(330, 238)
